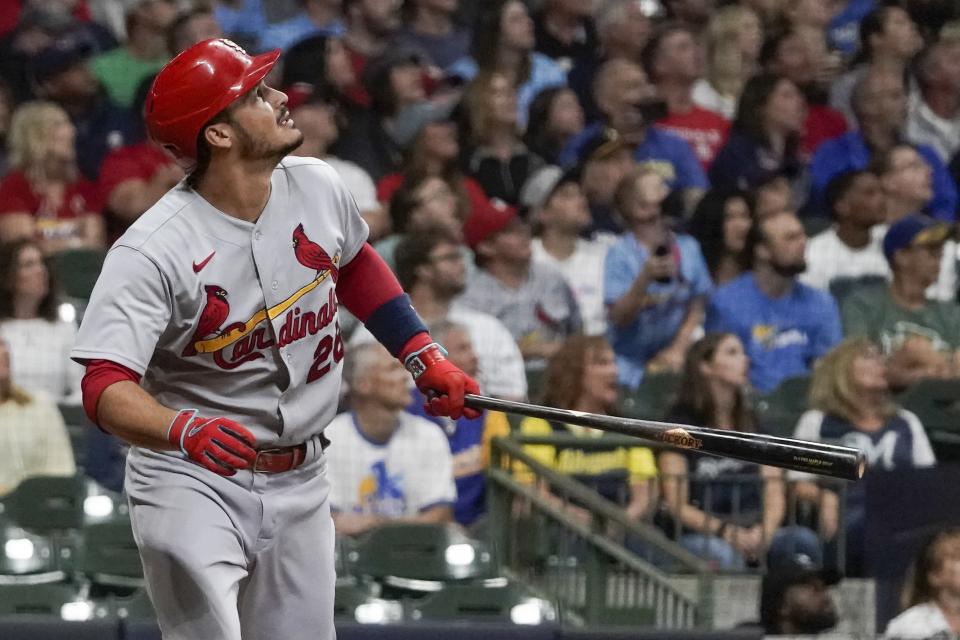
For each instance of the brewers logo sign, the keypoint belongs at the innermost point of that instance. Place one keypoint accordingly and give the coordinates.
(680, 438)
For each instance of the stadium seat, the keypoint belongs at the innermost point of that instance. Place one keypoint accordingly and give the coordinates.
(477, 603)
(937, 404)
(399, 553)
(78, 427)
(28, 558)
(37, 599)
(779, 410)
(652, 399)
(347, 597)
(76, 271)
(47, 504)
(136, 606)
(109, 556)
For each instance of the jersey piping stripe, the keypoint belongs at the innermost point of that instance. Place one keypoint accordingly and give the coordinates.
(220, 342)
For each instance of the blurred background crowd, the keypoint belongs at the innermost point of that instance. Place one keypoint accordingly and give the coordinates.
(737, 213)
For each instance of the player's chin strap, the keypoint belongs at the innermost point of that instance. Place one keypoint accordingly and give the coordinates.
(418, 361)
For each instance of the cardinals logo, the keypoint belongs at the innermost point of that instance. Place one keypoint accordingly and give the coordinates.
(312, 255)
(247, 338)
(214, 314)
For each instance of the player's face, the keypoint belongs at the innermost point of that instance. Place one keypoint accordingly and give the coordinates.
(460, 351)
(600, 377)
(32, 279)
(263, 126)
(729, 365)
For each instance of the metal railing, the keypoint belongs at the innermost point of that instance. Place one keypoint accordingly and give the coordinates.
(583, 562)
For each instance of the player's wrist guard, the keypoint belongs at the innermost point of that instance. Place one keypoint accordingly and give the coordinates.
(421, 359)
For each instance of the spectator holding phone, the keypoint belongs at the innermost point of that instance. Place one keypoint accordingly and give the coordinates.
(655, 283)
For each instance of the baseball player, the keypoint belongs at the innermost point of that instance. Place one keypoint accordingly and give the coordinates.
(212, 345)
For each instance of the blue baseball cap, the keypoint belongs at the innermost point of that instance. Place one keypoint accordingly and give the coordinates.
(63, 54)
(912, 231)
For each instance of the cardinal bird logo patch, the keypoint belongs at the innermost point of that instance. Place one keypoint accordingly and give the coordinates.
(312, 255)
(214, 314)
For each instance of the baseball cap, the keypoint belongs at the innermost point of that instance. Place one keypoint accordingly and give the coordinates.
(913, 231)
(411, 121)
(543, 183)
(604, 144)
(481, 226)
(799, 568)
(63, 54)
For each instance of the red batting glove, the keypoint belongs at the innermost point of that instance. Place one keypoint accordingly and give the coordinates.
(219, 444)
(442, 382)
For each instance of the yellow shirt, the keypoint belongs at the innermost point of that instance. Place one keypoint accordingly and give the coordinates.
(33, 442)
(637, 463)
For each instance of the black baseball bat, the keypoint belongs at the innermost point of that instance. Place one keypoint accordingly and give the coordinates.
(798, 455)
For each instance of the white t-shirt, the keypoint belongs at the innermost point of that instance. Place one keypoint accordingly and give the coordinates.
(40, 357)
(583, 271)
(358, 182)
(706, 97)
(502, 372)
(410, 473)
(828, 258)
(920, 622)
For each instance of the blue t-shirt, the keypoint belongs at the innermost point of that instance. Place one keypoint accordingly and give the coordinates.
(843, 32)
(850, 152)
(655, 326)
(668, 154)
(544, 74)
(283, 35)
(465, 436)
(782, 336)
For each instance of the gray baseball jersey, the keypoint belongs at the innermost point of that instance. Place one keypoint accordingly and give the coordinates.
(234, 319)
(229, 317)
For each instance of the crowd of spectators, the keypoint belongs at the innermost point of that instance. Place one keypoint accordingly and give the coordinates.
(584, 193)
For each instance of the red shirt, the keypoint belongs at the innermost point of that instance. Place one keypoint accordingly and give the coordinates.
(133, 162)
(80, 199)
(822, 124)
(480, 204)
(705, 131)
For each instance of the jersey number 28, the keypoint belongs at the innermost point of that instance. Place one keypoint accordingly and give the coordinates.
(328, 345)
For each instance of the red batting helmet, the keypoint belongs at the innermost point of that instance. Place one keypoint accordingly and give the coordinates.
(197, 85)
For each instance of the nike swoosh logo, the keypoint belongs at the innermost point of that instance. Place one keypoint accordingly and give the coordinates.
(196, 429)
(198, 267)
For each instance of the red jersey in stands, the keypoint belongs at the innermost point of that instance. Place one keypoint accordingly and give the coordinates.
(822, 124)
(132, 162)
(705, 131)
(480, 204)
(54, 219)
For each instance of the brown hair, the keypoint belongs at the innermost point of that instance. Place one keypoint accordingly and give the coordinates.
(563, 379)
(831, 388)
(477, 102)
(917, 589)
(9, 254)
(694, 399)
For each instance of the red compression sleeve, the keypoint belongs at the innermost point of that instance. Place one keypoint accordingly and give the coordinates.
(100, 375)
(366, 283)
